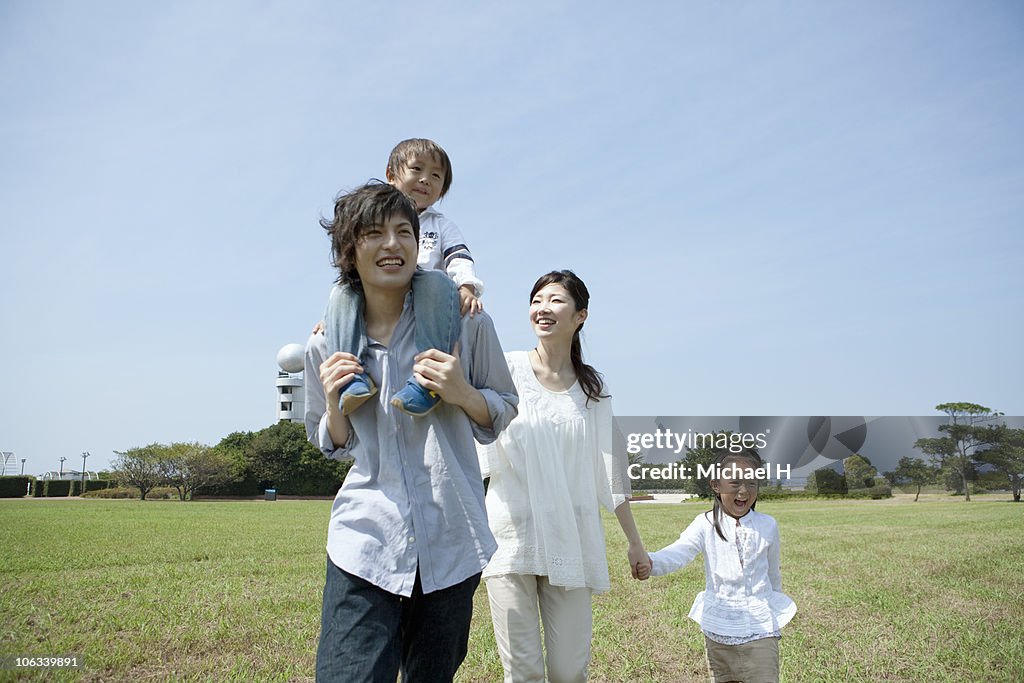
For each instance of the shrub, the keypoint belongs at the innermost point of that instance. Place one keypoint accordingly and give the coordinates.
(15, 487)
(112, 492)
(876, 492)
(98, 485)
(798, 495)
(826, 480)
(159, 493)
(54, 488)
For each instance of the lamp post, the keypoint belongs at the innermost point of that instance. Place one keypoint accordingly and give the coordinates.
(62, 459)
(84, 456)
(23, 465)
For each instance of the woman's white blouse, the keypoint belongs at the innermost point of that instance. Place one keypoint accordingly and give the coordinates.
(550, 474)
(740, 598)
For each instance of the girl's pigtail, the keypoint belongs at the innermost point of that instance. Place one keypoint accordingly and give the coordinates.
(717, 516)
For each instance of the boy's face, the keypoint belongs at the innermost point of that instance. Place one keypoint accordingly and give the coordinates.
(422, 178)
(386, 254)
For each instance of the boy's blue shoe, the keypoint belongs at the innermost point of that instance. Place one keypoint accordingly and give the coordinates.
(412, 399)
(356, 393)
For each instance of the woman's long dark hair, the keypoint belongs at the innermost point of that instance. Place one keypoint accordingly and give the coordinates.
(589, 378)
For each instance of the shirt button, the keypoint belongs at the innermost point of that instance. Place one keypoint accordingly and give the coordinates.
(412, 539)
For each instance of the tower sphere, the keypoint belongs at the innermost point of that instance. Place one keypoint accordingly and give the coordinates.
(291, 357)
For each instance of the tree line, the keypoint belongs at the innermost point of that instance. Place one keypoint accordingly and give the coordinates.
(243, 464)
(972, 441)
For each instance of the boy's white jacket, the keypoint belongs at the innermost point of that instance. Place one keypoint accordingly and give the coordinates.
(442, 247)
(740, 599)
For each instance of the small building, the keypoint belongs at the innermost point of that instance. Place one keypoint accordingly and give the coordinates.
(291, 392)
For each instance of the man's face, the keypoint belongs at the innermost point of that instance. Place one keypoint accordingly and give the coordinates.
(386, 254)
(421, 177)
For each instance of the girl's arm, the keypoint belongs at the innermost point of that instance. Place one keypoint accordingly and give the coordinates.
(639, 562)
(679, 554)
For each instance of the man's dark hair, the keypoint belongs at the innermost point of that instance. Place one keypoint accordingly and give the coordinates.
(372, 204)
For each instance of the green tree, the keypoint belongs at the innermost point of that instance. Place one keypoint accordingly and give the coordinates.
(914, 471)
(1006, 455)
(859, 472)
(235, 447)
(280, 456)
(964, 434)
(139, 467)
(191, 466)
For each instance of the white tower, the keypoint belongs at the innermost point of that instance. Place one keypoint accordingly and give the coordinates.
(291, 394)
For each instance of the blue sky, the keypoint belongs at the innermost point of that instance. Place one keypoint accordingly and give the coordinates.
(780, 208)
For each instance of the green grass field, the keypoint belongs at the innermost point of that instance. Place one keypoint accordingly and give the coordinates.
(230, 591)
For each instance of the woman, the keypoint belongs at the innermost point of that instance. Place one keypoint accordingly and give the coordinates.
(551, 470)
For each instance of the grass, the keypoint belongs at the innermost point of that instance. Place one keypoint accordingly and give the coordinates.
(230, 591)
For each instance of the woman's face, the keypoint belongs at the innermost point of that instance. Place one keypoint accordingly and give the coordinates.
(553, 313)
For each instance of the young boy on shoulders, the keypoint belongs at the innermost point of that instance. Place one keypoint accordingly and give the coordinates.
(445, 286)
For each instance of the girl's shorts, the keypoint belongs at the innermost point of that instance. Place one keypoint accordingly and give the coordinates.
(753, 662)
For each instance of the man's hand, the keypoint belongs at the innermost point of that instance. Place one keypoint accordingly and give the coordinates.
(441, 372)
(469, 302)
(336, 372)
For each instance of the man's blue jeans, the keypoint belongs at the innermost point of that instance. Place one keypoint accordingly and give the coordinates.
(367, 634)
(435, 301)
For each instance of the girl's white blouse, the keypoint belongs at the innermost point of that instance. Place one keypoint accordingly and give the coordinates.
(551, 469)
(740, 598)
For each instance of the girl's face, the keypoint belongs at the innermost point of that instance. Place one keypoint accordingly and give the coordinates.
(553, 313)
(735, 489)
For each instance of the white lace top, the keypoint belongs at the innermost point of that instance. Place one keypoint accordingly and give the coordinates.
(550, 473)
(743, 597)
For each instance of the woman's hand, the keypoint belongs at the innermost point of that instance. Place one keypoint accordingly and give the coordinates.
(639, 562)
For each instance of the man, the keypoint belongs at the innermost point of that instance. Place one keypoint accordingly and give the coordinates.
(408, 532)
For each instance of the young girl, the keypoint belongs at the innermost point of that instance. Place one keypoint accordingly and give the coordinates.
(743, 608)
(551, 472)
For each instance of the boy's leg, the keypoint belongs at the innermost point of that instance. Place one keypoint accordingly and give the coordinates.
(360, 631)
(516, 619)
(568, 624)
(438, 325)
(345, 328)
(435, 631)
(438, 317)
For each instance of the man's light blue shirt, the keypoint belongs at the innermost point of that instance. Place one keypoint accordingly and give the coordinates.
(414, 498)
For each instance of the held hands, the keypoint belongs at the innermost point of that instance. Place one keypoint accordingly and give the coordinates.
(469, 302)
(639, 562)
